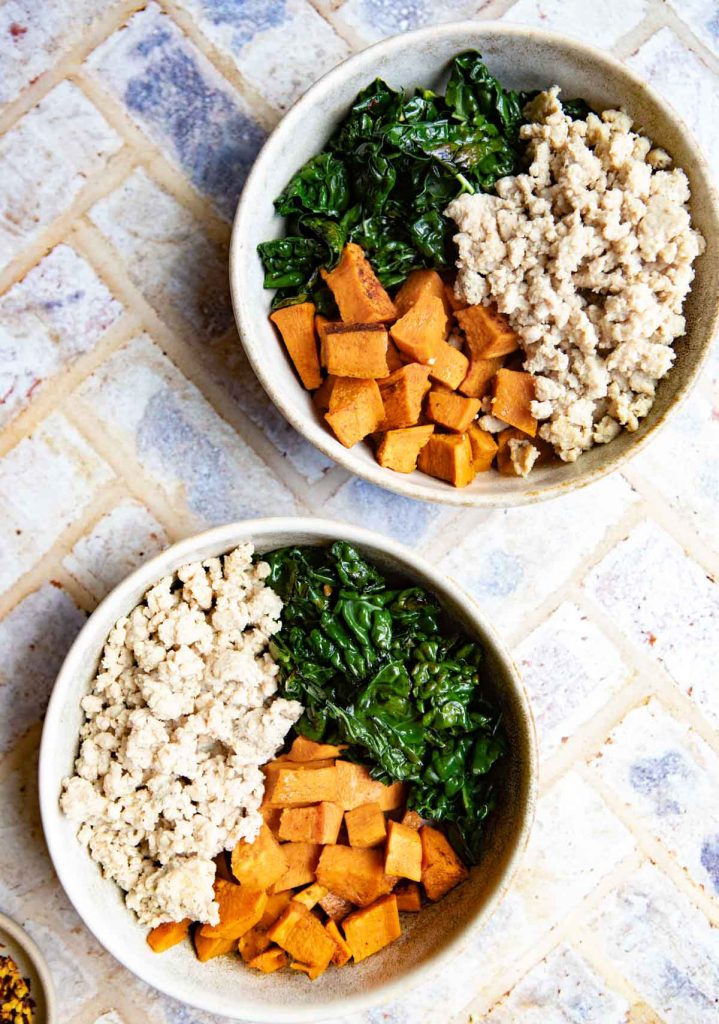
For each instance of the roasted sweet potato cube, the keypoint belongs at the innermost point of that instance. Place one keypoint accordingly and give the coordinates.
(165, 936)
(357, 417)
(356, 786)
(479, 377)
(487, 332)
(253, 942)
(420, 331)
(484, 448)
(312, 973)
(301, 865)
(322, 325)
(394, 357)
(319, 823)
(343, 953)
(412, 820)
(419, 283)
(304, 750)
(357, 350)
(441, 867)
(300, 933)
(448, 366)
(336, 907)
(348, 391)
(356, 875)
(208, 947)
(448, 457)
(258, 864)
(513, 394)
(452, 411)
(296, 787)
(240, 909)
(279, 931)
(321, 397)
(372, 928)
(276, 903)
(409, 898)
(366, 826)
(402, 393)
(454, 303)
(399, 449)
(403, 853)
(271, 816)
(296, 324)
(271, 960)
(358, 293)
(505, 465)
(310, 896)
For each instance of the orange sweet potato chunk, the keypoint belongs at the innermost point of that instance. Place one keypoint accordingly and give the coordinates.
(399, 449)
(310, 896)
(336, 907)
(240, 909)
(366, 826)
(276, 903)
(343, 953)
(513, 395)
(208, 947)
(484, 448)
(271, 960)
(448, 457)
(480, 374)
(394, 357)
(356, 786)
(402, 393)
(357, 290)
(448, 366)
(319, 823)
(321, 397)
(420, 331)
(260, 863)
(322, 325)
(303, 749)
(441, 867)
(302, 861)
(295, 786)
(419, 283)
(357, 416)
(403, 853)
(357, 350)
(409, 898)
(454, 303)
(253, 942)
(370, 929)
(312, 973)
(487, 332)
(354, 874)
(504, 452)
(450, 410)
(165, 936)
(296, 324)
(300, 933)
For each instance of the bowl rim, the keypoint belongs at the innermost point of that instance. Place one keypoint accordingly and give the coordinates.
(312, 430)
(225, 538)
(34, 954)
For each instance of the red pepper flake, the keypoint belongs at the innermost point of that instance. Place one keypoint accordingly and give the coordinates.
(17, 30)
(651, 639)
(56, 583)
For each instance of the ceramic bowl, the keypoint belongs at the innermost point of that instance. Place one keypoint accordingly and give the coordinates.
(17, 944)
(225, 986)
(521, 58)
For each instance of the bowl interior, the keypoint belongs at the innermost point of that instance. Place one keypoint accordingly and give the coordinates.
(224, 986)
(521, 58)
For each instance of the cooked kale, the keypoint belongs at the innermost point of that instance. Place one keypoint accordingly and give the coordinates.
(383, 668)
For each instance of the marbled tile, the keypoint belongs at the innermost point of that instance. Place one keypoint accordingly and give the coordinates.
(59, 311)
(110, 1017)
(34, 638)
(601, 25)
(409, 521)
(375, 19)
(183, 103)
(663, 945)
(514, 559)
(33, 512)
(562, 989)
(571, 670)
(69, 141)
(24, 861)
(703, 17)
(280, 46)
(167, 253)
(668, 779)
(665, 603)
(121, 541)
(180, 442)
(686, 82)
(33, 37)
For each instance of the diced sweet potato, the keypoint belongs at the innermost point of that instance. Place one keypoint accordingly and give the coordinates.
(165, 936)
(403, 853)
(258, 864)
(290, 916)
(276, 903)
(355, 786)
(412, 820)
(488, 333)
(253, 942)
(402, 393)
(372, 928)
(357, 350)
(343, 953)
(366, 826)
(240, 909)
(336, 907)
(448, 457)
(511, 402)
(358, 293)
(296, 787)
(399, 449)
(310, 896)
(419, 283)
(449, 366)
(208, 947)
(300, 933)
(347, 392)
(356, 875)
(296, 324)
(271, 816)
(441, 867)
(301, 865)
(479, 376)
(358, 417)
(504, 452)
(322, 325)
(409, 898)
(304, 750)
(394, 357)
(455, 303)
(319, 823)
(420, 331)
(484, 448)
(451, 410)
(312, 973)
(321, 397)
(271, 960)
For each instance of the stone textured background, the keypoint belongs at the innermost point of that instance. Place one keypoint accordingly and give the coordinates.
(129, 419)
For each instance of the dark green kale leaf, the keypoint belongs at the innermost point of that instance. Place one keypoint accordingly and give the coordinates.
(320, 186)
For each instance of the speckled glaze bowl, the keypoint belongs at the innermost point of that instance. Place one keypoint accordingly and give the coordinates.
(521, 58)
(225, 986)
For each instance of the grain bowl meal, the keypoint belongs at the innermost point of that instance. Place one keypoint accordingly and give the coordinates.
(282, 755)
(485, 278)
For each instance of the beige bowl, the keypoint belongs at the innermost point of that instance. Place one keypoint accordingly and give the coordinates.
(224, 985)
(521, 58)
